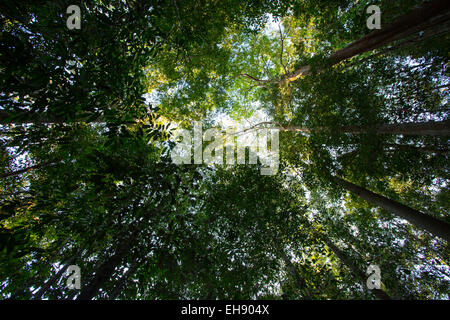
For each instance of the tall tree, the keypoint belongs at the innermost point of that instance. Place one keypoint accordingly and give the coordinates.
(420, 219)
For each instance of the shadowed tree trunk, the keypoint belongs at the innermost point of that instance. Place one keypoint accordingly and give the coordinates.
(430, 14)
(17, 172)
(435, 226)
(47, 119)
(432, 128)
(294, 273)
(405, 147)
(291, 268)
(107, 268)
(52, 280)
(102, 275)
(379, 293)
(27, 117)
(122, 282)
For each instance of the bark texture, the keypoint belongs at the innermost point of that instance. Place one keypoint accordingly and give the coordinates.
(419, 219)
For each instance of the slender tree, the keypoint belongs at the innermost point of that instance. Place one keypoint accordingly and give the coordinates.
(379, 293)
(432, 128)
(435, 226)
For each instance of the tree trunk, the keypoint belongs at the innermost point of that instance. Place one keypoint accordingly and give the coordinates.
(121, 283)
(106, 269)
(435, 226)
(432, 128)
(52, 280)
(429, 128)
(379, 293)
(298, 280)
(17, 172)
(26, 118)
(103, 273)
(45, 118)
(291, 268)
(428, 15)
(405, 147)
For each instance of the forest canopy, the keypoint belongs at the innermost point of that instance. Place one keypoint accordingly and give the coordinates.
(90, 116)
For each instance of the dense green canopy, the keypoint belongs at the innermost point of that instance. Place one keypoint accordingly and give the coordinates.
(88, 122)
